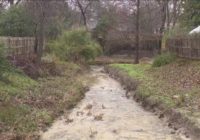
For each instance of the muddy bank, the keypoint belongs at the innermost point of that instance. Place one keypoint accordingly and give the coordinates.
(176, 119)
(106, 114)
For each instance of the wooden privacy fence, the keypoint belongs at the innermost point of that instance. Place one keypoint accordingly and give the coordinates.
(18, 45)
(149, 45)
(125, 43)
(187, 47)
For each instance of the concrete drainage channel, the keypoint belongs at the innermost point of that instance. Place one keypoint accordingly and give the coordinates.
(106, 114)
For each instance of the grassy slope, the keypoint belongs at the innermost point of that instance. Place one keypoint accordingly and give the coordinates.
(175, 85)
(27, 105)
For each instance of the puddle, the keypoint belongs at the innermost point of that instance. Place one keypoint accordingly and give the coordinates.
(106, 114)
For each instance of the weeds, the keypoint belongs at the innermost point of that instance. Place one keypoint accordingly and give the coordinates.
(28, 105)
(164, 59)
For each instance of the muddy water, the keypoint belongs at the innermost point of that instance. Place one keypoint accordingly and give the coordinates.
(106, 114)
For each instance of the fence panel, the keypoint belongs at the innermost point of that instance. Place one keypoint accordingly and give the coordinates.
(186, 47)
(18, 45)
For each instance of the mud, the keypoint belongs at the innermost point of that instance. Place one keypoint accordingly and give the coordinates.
(106, 114)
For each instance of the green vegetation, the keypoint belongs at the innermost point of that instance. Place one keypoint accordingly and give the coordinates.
(16, 22)
(33, 96)
(75, 45)
(104, 24)
(4, 65)
(164, 59)
(28, 105)
(190, 18)
(173, 85)
(136, 71)
(149, 87)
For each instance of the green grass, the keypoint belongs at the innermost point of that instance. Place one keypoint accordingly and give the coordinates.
(156, 90)
(175, 85)
(27, 105)
(133, 70)
(15, 84)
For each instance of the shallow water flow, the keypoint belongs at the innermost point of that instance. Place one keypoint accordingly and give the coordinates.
(106, 114)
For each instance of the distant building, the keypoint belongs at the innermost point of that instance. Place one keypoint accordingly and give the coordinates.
(195, 31)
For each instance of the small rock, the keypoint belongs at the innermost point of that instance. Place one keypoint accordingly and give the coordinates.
(89, 106)
(78, 113)
(187, 136)
(98, 117)
(175, 128)
(127, 94)
(176, 97)
(93, 133)
(103, 107)
(173, 132)
(139, 130)
(69, 120)
(89, 113)
(169, 125)
(114, 131)
(161, 116)
(137, 100)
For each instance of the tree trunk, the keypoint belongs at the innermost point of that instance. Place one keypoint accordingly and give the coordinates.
(174, 12)
(168, 17)
(137, 37)
(163, 21)
(11, 2)
(82, 13)
(36, 44)
(40, 31)
(40, 40)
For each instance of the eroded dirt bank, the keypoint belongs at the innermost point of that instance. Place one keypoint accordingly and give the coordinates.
(106, 114)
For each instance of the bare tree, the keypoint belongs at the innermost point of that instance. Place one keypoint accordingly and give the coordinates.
(12, 2)
(137, 36)
(83, 12)
(163, 9)
(43, 13)
(83, 6)
(36, 10)
(177, 9)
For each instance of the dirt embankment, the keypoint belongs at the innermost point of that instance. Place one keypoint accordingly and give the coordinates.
(28, 105)
(176, 119)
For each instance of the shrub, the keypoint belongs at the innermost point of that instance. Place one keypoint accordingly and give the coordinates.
(75, 45)
(4, 64)
(16, 22)
(163, 59)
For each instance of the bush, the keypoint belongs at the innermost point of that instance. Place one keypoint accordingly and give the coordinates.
(164, 59)
(15, 21)
(4, 64)
(75, 45)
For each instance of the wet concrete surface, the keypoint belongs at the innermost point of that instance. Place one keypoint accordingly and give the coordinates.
(106, 114)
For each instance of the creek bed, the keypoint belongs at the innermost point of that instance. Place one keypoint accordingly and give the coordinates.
(106, 114)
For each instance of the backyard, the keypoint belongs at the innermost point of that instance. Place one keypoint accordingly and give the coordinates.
(99, 69)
